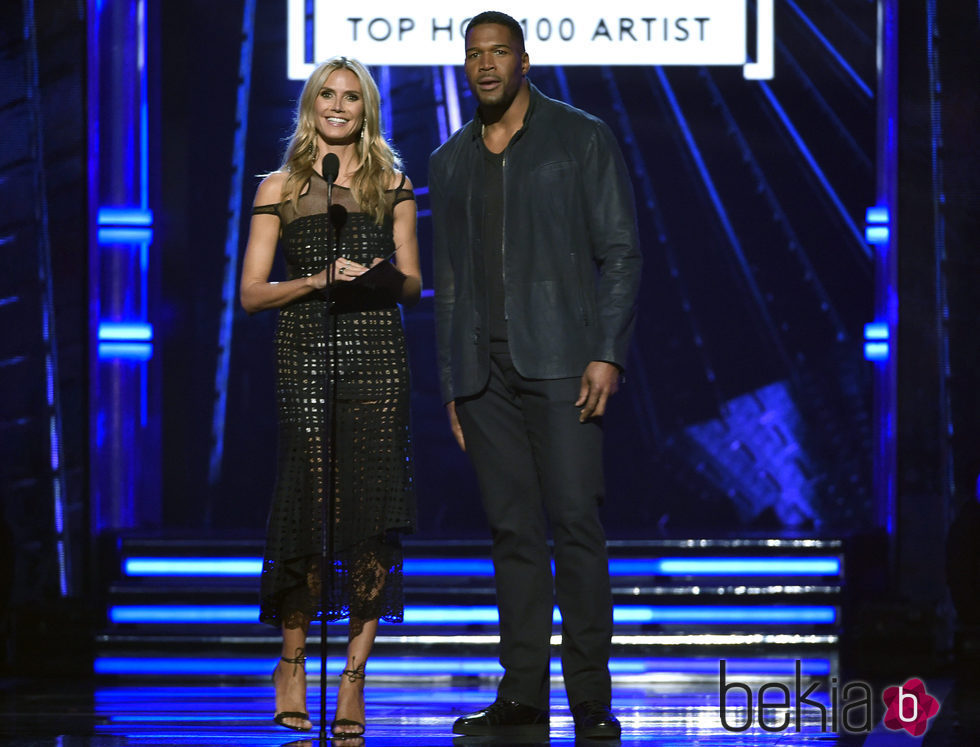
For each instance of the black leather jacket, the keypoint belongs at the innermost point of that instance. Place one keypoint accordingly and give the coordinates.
(571, 254)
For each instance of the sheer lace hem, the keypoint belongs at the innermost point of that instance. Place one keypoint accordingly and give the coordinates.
(365, 584)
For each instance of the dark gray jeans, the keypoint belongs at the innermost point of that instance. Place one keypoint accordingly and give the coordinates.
(533, 458)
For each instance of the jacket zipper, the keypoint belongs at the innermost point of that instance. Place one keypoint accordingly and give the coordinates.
(503, 230)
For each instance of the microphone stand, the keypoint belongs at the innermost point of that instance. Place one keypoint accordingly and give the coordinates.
(331, 168)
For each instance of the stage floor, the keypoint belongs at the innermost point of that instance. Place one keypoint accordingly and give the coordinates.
(77, 713)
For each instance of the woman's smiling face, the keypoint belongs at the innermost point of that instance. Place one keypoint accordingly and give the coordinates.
(340, 108)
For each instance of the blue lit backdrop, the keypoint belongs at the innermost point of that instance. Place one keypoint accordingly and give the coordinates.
(747, 407)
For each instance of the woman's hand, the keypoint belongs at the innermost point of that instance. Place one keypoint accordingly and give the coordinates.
(341, 270)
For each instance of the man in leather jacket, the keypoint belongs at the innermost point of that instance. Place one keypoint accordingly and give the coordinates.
(537, 268)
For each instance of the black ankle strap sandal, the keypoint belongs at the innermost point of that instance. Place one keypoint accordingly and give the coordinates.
(352, 675)
(355, 674)
(280, 718)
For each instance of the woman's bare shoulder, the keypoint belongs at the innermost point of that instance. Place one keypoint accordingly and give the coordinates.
(269, 191)
(399, 180)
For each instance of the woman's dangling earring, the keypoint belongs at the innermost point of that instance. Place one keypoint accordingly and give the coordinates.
(312, 149)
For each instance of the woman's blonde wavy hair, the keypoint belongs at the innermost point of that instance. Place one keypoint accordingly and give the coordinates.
(378, 160)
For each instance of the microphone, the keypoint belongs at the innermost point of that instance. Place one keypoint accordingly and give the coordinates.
(331, 167)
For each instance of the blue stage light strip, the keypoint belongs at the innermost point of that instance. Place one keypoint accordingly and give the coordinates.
(483, 567)
(192, 566)
(876, 352)
(877, 214)
(132, 351)
(125, 332)
(815, 566)
(135, 236)
(228, 284)
(453, 666)
(876, 331)
(49, 336)
(845, 66)
(729, 614)
(124, 216)
(487, 615)
(876, 234)
(170, 700)
(814, 167)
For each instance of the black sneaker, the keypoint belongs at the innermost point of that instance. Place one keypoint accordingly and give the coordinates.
(504, 718)
(595, 720)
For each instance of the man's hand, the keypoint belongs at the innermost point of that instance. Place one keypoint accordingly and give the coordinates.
(454, 425)
(599, 382)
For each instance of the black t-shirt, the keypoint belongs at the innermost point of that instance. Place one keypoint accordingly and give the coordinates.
(493, 242)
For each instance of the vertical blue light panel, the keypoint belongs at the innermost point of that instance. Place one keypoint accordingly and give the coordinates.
(124, 435)
(228, 285)
(883, 214)
(48, 332)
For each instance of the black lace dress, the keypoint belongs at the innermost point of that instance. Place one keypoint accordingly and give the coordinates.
(373, 493)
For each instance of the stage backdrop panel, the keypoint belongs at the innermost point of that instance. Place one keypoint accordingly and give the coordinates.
(746, 408)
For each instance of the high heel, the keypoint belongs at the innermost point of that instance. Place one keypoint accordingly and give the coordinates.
(352, 675)
(280, 717)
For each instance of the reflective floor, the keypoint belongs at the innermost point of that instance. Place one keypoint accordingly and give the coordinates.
(88, 714)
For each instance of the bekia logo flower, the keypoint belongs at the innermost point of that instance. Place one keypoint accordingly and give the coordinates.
(909, 707)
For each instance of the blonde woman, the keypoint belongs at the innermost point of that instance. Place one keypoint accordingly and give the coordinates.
(357, 341)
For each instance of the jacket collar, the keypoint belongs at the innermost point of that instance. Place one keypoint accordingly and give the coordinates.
(476, 124)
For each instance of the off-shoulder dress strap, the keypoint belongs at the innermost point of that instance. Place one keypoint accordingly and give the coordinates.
(401, 193)
(265, 209)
